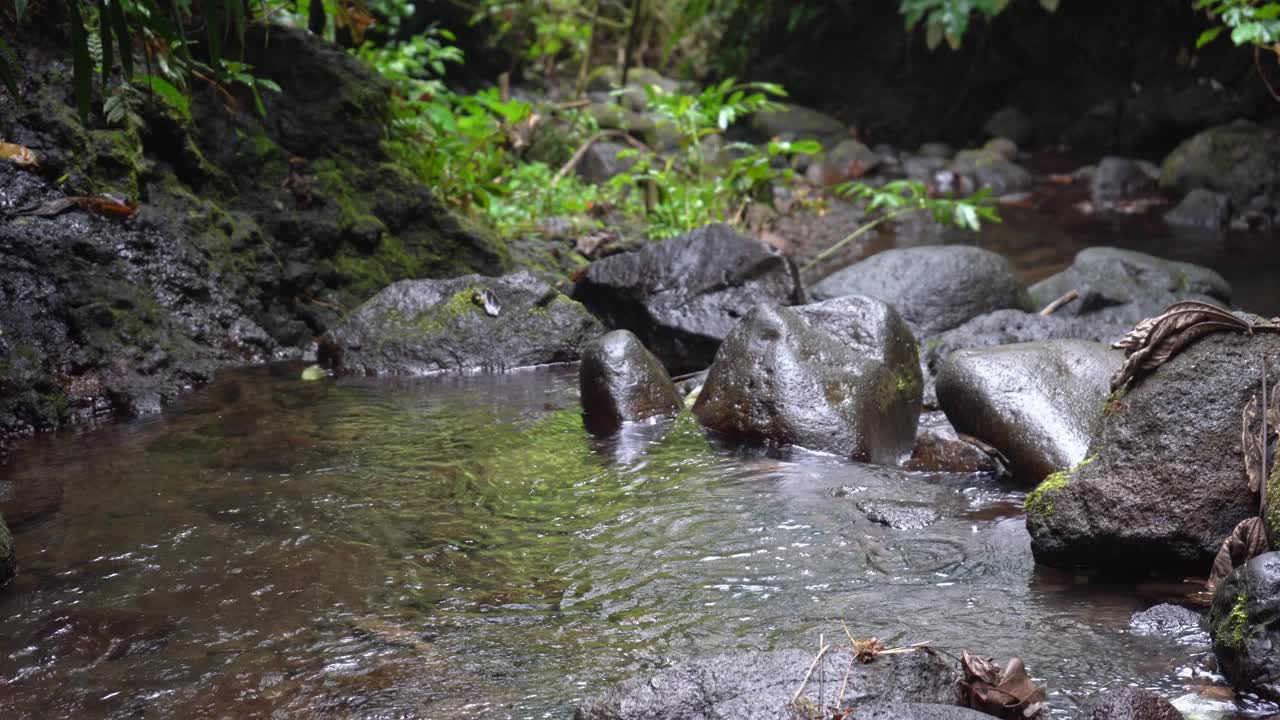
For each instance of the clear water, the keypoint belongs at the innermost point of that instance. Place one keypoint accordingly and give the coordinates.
(460, 548)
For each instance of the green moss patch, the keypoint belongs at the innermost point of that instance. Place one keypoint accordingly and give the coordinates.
(1040, 500)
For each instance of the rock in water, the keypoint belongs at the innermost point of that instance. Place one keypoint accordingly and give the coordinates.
(416, 327)
(933, 288)
(1201, 208)
(1038, 403)
(759, 685)
(1240, 160)
(1106, 276)
(939, 448)
(681, 297)
(840, 376)
(1245, 626)
(8, 559)
(1130, 704)
(1120, 178)
(1167, 483)
(915, 711)
(622, 382)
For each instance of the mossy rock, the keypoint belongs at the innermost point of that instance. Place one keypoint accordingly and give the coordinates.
(1244, 622)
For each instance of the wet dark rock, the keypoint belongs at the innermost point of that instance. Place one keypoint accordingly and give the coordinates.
(1166, 619)
(897, 515)
(840, 376)
(1011, 123)
(939, 448)
(933, 288)
(1245, 624)
(797, 123)
(1130, 704)
(1106, 276)
(601, 162)
(468, 323)
(1038, 403)
(681, 297)
(759, 685)
(8, 558)
(623, 382)
(1201, 208)
(1165, 485)
(991, 167)
(1259, 214)
(31, 499)
(1118, 178)
(87, 635)
(1239, 160)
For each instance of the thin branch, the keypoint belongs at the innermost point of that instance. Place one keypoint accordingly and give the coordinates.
(1257, 63)
(1056, 305)
(581, 152)
(855, 235)
(1263, 483)
(821, 651)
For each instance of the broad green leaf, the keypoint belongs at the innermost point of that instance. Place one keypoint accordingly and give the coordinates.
(20, 8)
(166, 91)
(1050, 5)
(1208, 36)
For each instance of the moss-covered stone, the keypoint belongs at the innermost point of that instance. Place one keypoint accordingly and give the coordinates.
(1040, 500)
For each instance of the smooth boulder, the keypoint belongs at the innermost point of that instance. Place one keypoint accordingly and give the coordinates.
(1240, 160)
(681, 297)
(760, 685)
(1201, 208)
(1166, 483)
(1245, 624)
(418, 327)
(840, 376)
(1107, 276)
(622, 382)
(798, 123)
(933, 288)
(1038, 403)
(992, 167)
(1117, 178)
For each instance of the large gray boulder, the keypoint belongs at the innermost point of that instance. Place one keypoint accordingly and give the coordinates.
(681, 297)
(416, 327)
(933, 288)
(1116, 179)
(1201, 208)
(840, 376)
(1038, 403)
(1245, 624)
(1166, 482)
(1106, 276)
(992, 167)
(760, 685)
(623, 382)
(1240, 160)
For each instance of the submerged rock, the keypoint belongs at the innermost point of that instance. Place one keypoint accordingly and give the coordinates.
(896, 515)
(623, 382)
(1201, 208)
(933, 288)
(1245, 624)
(681, 297)
(1240, 160)
(1166, 484)
(1130, 704)
(416, 327)
(759, 685)
(939, 448)
(1166, 619)
(1038, 403)
(1118, 178)
(1106, 276)
(840, 376)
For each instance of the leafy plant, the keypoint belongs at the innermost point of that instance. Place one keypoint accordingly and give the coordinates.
(901, 197)
(949, 19)
(1252, 22)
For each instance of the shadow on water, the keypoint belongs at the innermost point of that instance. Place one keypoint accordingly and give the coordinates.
(459, 547)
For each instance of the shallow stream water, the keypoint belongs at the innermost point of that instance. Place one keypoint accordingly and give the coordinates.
(460, 548)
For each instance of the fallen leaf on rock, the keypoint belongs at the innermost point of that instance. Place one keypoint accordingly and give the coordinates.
(1007, 693)
(22, 156)
(1247, 541)
(1153, 341)
(110, 205)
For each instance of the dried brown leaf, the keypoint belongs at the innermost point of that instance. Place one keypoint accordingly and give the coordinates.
(1250, 442)
(1008, 693)
(20, 155)
(1153, 341)
(1247, 541)
(864, 651)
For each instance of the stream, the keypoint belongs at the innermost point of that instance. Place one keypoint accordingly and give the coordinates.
(460, 548)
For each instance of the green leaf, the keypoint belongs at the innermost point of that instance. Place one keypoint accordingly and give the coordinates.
(81, 63)
(215, 26)
(1050, 5)
(8, 69)
(1208, 36)
(20, 8)
(236, 14)
(124, 39)
(167, 92)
